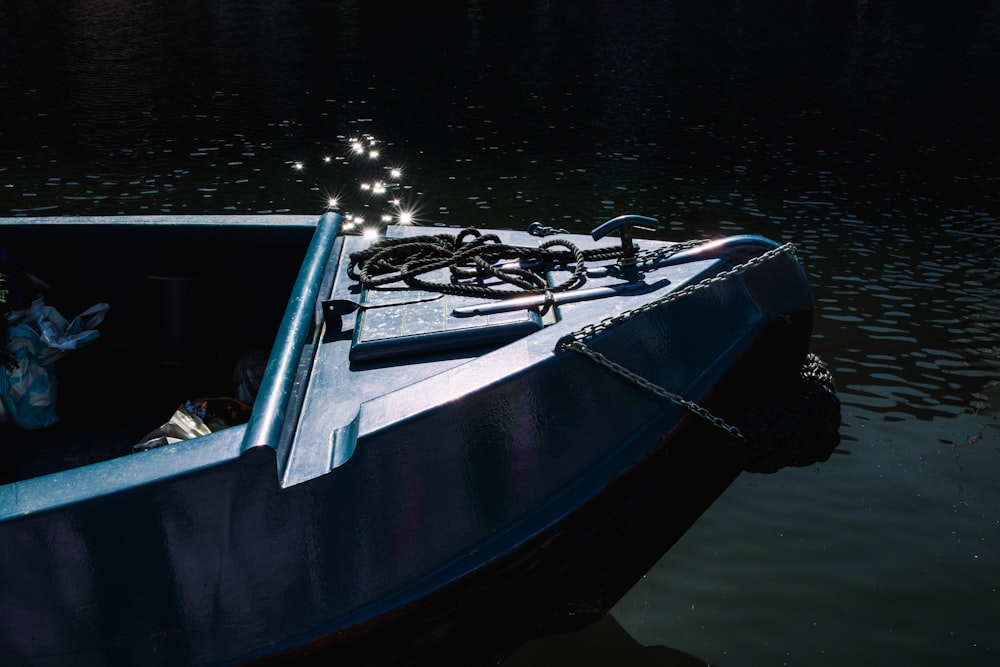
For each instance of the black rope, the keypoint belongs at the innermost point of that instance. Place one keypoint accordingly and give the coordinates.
(475, 258)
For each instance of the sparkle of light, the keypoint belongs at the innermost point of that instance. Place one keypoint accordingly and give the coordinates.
(297, 166)
(395, 173)
(386, 218)
(326, 158)
(370, 233)
(405, 218)
(372, 154)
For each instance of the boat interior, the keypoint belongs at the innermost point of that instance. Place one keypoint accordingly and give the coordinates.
(186, 304)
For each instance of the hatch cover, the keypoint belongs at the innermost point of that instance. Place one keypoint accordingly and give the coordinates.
(404, 322)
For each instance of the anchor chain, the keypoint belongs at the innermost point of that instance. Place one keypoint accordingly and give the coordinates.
(589, 330)
(635, 378)
(574, 342)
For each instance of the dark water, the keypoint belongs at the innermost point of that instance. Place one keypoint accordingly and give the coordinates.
(865, 132)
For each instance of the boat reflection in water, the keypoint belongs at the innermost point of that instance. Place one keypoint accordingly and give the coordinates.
(602, 644)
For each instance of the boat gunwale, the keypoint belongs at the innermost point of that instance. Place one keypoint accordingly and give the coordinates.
(101, 479)
(60, 489)
(166, 220)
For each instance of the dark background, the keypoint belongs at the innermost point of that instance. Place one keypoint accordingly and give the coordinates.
(863, 131)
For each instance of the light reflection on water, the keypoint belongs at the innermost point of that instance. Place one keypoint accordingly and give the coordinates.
(850, 129)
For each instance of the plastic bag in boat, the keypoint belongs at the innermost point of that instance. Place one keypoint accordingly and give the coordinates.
(197, 417)
(36, 339)
(201, 416)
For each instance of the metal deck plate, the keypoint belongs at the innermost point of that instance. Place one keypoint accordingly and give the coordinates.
(396, 323)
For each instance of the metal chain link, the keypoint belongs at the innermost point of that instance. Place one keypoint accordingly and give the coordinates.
(648, 258)
(589, 330)
(574, 341)
(656, 389)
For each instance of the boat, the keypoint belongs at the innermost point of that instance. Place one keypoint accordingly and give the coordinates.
(457, 440)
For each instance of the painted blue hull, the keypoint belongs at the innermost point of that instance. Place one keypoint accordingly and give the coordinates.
(377, 508)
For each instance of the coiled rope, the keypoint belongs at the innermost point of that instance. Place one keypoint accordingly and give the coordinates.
(479, 258)
(490, 268)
